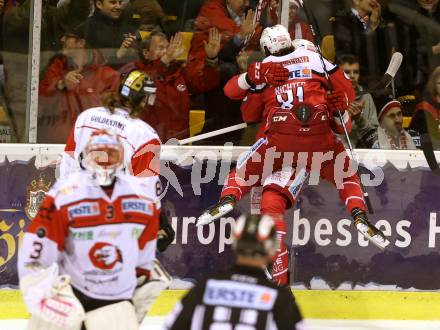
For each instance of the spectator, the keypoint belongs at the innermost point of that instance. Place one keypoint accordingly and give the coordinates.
(235, 23)
(110, 32)
(362, 110)
(426, 118)
(16, 22)
(390, 134)
(74, 81)
(169, 115)
(229, 300)
(298, 28)
(431, 10)
(144, 13)
(357, 30)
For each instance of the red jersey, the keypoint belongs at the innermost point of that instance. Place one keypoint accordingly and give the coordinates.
(278, 105)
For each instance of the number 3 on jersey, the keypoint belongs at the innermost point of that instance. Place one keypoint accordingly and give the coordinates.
(287, 99)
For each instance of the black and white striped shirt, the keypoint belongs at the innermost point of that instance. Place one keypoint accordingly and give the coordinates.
(240, 299)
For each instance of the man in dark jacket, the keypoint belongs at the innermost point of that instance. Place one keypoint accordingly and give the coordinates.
(243, 296)
(111, 32)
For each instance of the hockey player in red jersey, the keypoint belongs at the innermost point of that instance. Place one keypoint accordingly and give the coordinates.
(301, 121)
(93, 235)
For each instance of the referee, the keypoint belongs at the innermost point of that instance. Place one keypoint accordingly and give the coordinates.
(242, 298)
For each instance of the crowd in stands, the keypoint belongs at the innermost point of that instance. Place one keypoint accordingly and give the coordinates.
(191, 48)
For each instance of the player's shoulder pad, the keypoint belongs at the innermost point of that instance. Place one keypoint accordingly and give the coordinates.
(69, 184)
(311, 59)
(146, 131)
(143, 186)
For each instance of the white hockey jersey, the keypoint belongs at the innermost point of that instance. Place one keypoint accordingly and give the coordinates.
(141, 142)
(100, 241)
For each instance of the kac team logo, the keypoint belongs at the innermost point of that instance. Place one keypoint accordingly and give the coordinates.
(34, 196)
(104, 255)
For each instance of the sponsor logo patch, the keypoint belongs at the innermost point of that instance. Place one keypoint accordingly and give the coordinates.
(137, 205)
(105, 255)
(82, 235)
(84, 209)
(304, 73)
(298, 182)
(245, 157)
(235, 294)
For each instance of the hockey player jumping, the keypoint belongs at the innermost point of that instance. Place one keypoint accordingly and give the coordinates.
(302, 119)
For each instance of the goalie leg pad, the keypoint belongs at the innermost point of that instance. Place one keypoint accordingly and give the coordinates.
(145, 295)
(113, 317)
(37, 323)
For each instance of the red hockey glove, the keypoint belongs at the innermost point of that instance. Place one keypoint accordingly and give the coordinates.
(269, 73)
(337, 100)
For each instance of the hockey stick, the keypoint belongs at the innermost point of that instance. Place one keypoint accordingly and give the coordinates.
(428, 152)
(313, 24)
(387, 78)
(213, 133)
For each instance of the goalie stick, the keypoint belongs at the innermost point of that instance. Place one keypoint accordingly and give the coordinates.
(317, 37)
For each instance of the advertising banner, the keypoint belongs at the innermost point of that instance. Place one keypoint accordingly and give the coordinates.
(326, 250)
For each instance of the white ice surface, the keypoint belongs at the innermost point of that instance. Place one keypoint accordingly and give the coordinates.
(155, 323)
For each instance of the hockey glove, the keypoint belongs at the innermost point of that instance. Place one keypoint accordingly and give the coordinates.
(50, 299)
(337, 101)
(267, 73)
(166, 233)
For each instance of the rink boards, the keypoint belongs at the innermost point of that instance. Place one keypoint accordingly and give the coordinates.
(315, 304)
(326, 253)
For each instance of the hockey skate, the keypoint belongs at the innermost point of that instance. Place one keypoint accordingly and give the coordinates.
(367, 229)
(223, 207)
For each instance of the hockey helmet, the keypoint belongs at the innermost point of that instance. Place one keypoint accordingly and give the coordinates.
(304, 44)
(103, 156)
(135, 86)
(254, 235)
(275, 39)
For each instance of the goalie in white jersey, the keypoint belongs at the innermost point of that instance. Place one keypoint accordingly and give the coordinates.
(97, 230)
(141, 157)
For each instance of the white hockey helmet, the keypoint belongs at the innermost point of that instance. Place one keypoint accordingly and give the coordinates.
(274, 39)
(304, 43)
(103, 156)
